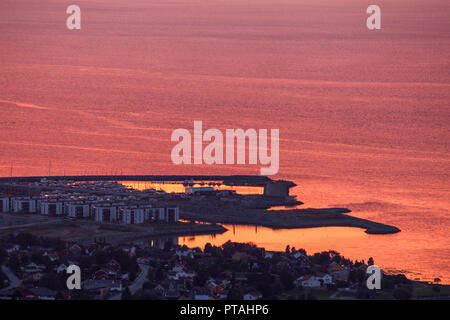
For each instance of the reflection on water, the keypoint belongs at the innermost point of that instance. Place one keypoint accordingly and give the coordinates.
(178, 187)
(353, 243)
(159, 243)
(277, 208)
(312, 240)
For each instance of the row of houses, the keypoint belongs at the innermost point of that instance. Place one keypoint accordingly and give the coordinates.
(99, 210)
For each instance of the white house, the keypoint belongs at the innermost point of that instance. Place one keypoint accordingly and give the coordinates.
(51, 255)
(61, 268)
(184, 253)
(12, 248)
(178, 272)
(341, 275)
(252, 295)
(327, 279)
(310, 282)
(203, 297)
(33, 268)
(116, 286)
(51, 208)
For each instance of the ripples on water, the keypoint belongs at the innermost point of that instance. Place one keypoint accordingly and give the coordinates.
(363, 116)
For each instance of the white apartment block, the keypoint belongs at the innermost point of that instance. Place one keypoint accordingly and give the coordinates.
(23, 204)
(105, 213)
(77, 210)
(133, 216)
(4, 205)
(51, 208)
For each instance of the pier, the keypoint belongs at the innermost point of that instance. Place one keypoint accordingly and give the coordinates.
(235, 180)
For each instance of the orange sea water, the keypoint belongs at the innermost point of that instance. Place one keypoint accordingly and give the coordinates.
(363, 115)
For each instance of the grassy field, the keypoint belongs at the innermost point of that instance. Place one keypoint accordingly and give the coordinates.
(65, 229)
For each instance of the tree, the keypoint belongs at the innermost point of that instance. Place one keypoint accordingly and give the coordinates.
(59, 296)
(14, 263)
(201, 277)
(101, 258)
(208, 248)
(387, 283)
(26, 240)
(156, 275)
(322, 258)
(3, 255)
(86, 262)
(287, 279)
(276, 288)
(54, 281)
(436, 288)
(16, 294)
(167, 246)
(37, 258)
(402, 294)
(80, 295)
(148, 285)
(357, 276)
(126, 294)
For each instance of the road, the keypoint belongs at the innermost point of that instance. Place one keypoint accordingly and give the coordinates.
(137, 283)
(14, 282)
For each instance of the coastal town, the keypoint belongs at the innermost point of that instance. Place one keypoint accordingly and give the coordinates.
(120, 238)
(109, 202)
(34, 268)
(113, 202)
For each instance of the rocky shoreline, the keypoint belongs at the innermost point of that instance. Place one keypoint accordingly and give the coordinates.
(289, 219)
